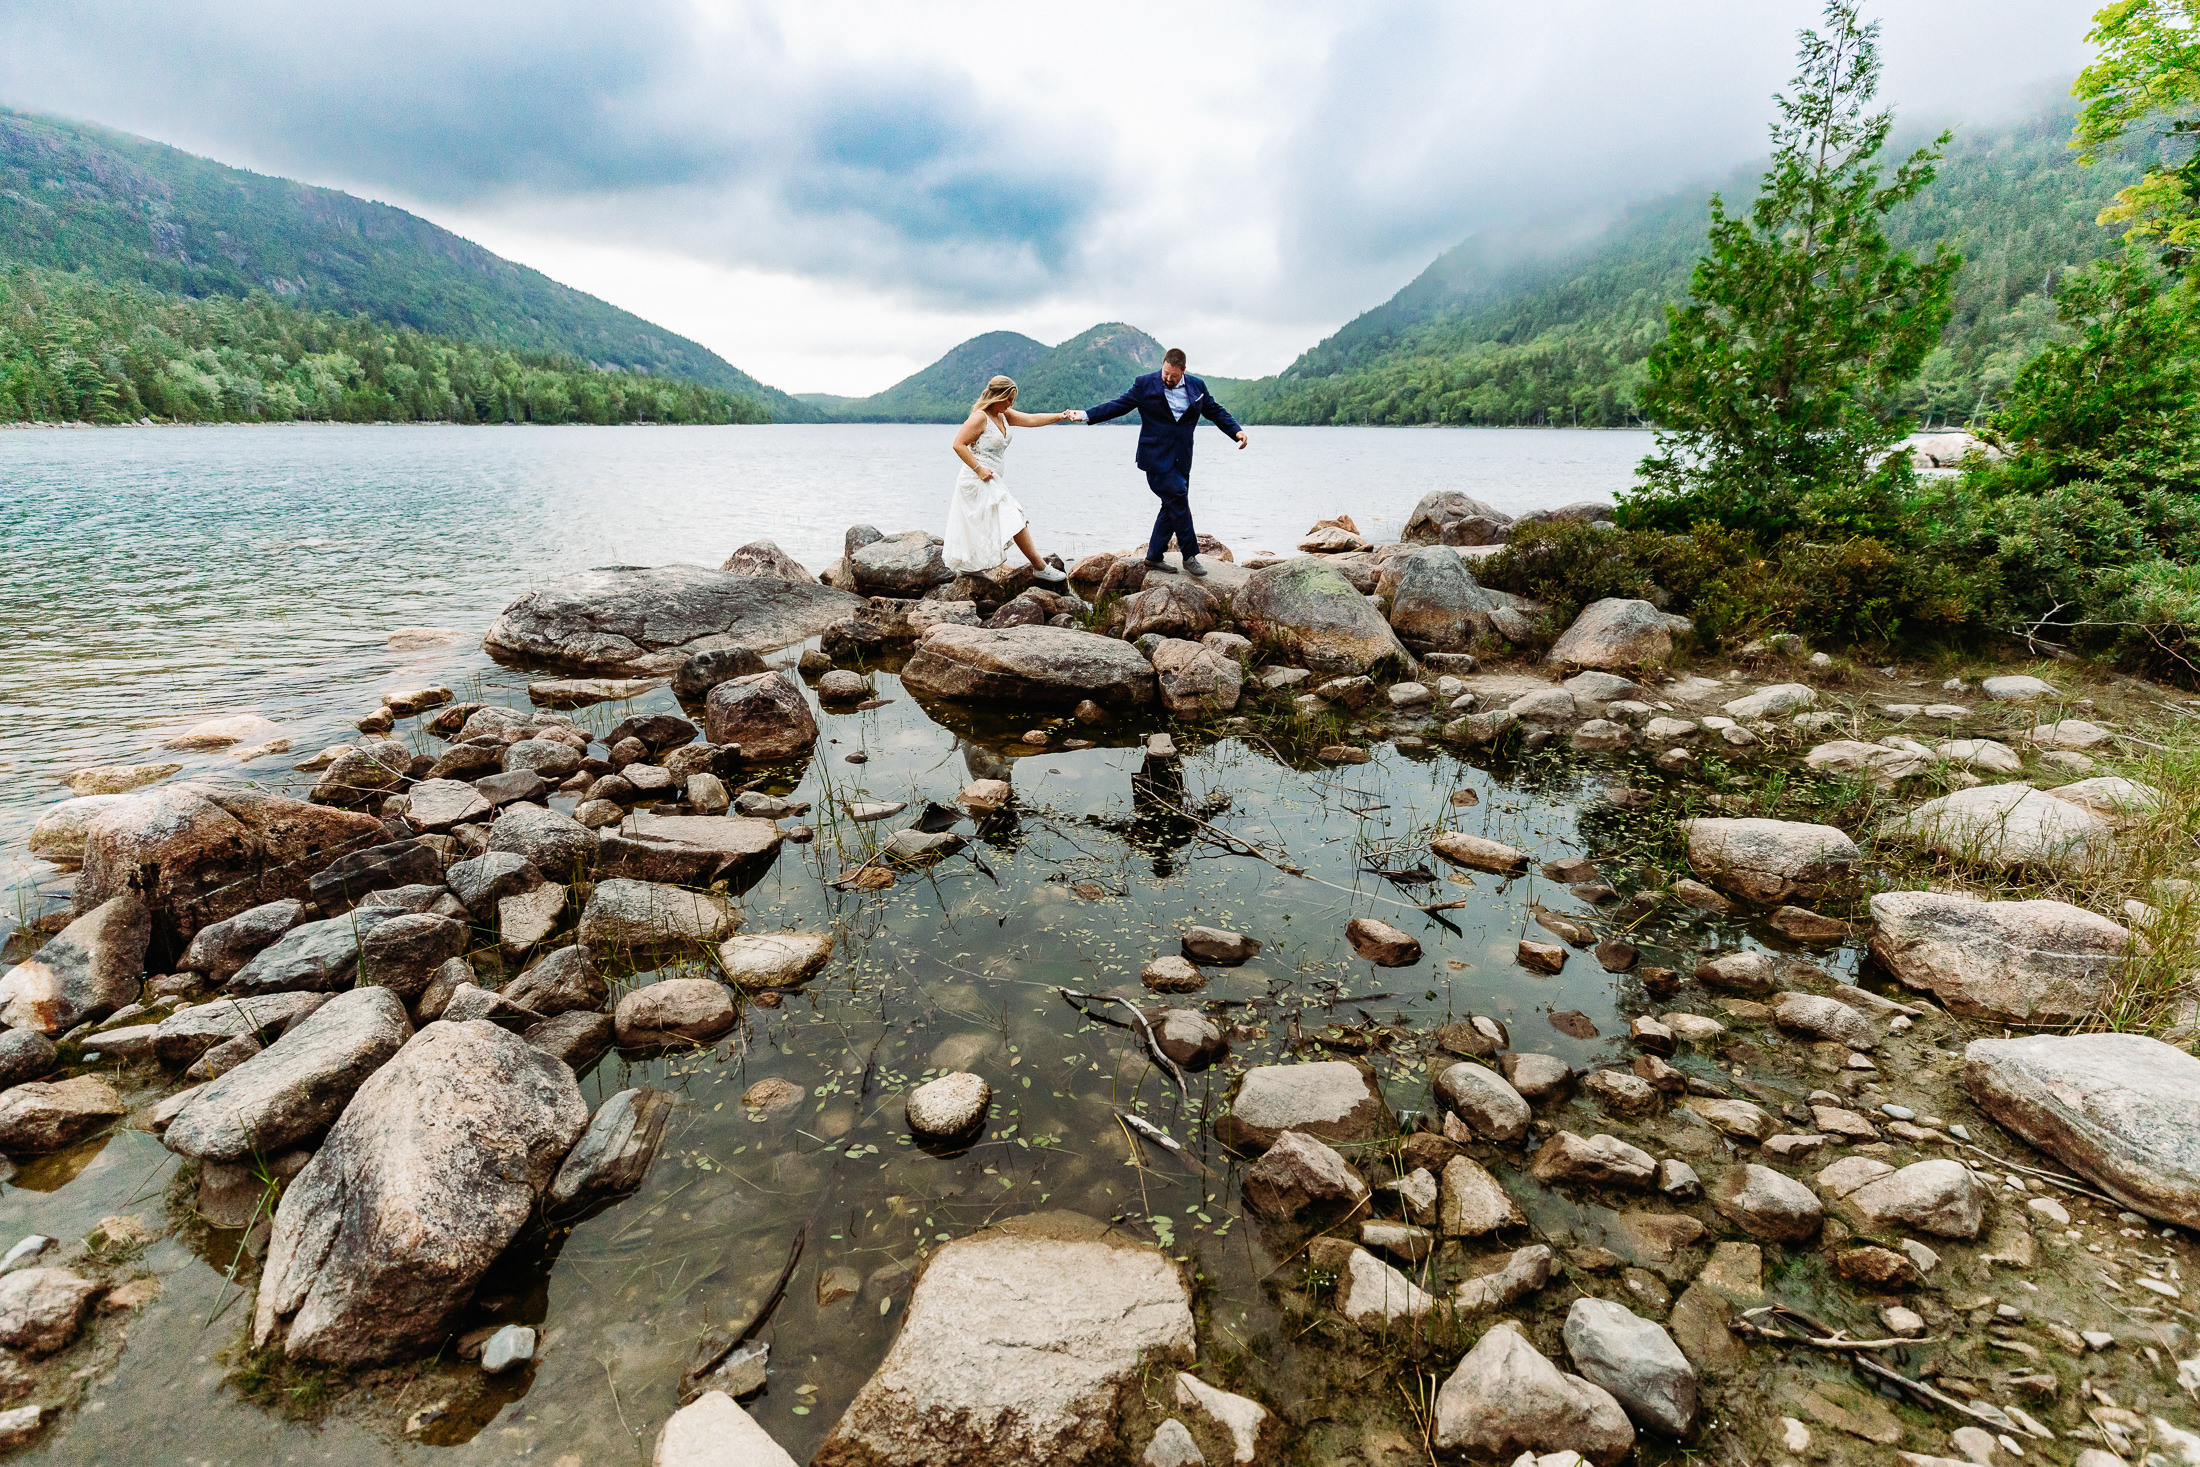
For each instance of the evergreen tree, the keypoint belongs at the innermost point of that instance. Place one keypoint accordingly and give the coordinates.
(1774, 384)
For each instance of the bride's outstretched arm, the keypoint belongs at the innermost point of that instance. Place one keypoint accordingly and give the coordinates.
(1037, 420)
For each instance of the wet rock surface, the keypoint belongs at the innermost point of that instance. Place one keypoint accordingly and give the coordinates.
(439, 1159)
(1020, 1345)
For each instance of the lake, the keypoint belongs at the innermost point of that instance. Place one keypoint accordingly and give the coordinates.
(158, 577)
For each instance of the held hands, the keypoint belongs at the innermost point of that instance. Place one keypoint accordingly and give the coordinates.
(1074, 415)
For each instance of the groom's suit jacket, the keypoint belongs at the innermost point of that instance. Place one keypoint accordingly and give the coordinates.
(1164, 439)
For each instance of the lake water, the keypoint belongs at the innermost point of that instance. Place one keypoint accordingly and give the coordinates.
(158, 577)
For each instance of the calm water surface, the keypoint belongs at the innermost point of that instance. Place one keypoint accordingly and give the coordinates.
(159, 577)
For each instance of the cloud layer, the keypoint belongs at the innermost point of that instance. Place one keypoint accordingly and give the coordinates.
(1249, 173)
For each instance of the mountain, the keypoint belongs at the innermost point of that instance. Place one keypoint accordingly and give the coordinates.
(1552, 325)
(1088, 368)
(122, 209)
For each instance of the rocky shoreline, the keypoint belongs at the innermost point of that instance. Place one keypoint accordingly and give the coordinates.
(361, 1016)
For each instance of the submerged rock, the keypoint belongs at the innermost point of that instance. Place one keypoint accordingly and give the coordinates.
(1021, 1345)
(647, 621)
(439, 1160)
(2036, 962)
(2117, 1108)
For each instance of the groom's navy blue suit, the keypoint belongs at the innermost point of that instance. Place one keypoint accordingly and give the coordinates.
(1165, 451)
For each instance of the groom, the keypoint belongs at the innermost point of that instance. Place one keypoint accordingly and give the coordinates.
(1169, 404)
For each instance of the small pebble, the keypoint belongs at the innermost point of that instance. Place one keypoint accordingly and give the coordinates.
(1960, 1132)
(30, 1247)
(859, 757)
(2098, 1339)
(1899, 1112)
(1794, 1435)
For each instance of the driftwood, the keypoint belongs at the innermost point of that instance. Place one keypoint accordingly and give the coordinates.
(1808, 1331)
(711, 1351)
(1138, 1022)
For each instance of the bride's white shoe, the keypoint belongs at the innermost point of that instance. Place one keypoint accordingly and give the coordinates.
(1049, 574)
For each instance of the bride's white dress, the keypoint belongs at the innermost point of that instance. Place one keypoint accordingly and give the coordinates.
(984, 517)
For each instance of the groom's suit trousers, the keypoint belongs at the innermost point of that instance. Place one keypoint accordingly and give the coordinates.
(1175, 519)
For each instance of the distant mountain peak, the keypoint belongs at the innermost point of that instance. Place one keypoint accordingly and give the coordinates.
(1090, 367)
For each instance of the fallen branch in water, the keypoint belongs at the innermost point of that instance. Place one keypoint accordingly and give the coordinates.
(1746, 1325)
(1145, 1031)
(1824, 1336)
(711, 1351)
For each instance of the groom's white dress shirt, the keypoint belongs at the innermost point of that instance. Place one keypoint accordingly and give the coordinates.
(1179, 397)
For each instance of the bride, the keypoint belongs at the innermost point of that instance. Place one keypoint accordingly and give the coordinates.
(985, 518)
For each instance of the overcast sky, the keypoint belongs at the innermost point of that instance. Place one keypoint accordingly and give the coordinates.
(831, 195)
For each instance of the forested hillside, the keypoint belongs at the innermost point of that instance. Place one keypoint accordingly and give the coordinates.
(73, 348)
(93, 202)
(1086, 369)
(1543, 327)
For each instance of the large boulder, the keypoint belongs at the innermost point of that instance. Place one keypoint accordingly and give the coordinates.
(2038, 962)
(216, 850)
(1306, 613)
(1449, 509)
(646, 621)
(1047, 667)
(1435, 605)
(1636, 1360)
(1333, 1100)
(764, 558)
(1770, 861)
(1021, 1344)
(318, 957)
(765, 713)
(2117, 1108)
(292, 1091)
(85, 971)
(1195, 679)
(439, 1160)
(645, 917)
(1617, 634)
(687, 850)
(908, 564)
(2007, 827)
(1505, 1399)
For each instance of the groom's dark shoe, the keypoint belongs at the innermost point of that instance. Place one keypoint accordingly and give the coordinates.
(1152, 564)
(1192, 567)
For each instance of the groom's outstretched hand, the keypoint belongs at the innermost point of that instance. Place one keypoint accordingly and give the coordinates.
(1242, 439)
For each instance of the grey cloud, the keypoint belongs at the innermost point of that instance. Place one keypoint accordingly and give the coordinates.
(644, 119)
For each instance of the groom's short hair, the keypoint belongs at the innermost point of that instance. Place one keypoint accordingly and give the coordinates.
(1173, 357)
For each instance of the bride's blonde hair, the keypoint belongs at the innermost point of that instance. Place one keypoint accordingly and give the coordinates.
(998, 391)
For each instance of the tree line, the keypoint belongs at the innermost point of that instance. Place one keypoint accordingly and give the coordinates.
(77, 349)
